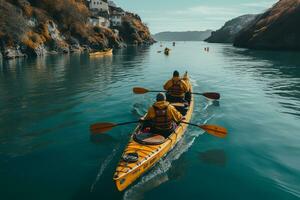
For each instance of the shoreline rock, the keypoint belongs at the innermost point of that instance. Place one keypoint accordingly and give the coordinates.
(13, 52)
(46, 27)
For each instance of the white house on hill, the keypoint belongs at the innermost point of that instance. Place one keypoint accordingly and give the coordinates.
(116, 19)
(116, 16)
(100, 5)
(99, 21)
(112, 4)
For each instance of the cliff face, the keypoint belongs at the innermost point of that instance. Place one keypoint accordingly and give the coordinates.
(230, 29)
(35, 27)
(133, 31)
(183, 36)
(277, 29)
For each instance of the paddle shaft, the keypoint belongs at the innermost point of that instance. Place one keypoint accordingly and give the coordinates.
(166, 91)
(125, 123)
(190, 124)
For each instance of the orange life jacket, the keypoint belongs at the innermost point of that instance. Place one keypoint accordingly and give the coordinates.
(175, 89)
(162, 120)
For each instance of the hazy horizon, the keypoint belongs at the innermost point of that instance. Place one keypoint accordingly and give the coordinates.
(192, 15)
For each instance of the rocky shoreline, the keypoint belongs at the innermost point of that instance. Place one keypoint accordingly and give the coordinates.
(30, 28)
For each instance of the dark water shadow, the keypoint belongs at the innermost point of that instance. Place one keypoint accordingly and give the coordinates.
(216, 103)
(178, 169)
(215, 157)
(102, 139)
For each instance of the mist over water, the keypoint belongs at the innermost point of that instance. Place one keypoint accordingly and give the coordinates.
(47, 105)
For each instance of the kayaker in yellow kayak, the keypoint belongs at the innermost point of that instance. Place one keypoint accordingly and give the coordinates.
(162, 116)
(176, 88)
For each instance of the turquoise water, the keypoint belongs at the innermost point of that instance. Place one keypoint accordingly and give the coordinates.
(47, 105)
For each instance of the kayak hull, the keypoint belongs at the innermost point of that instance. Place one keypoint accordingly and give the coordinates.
(148, 155)
(101, 53)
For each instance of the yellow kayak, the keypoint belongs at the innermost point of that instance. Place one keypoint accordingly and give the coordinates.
(145, 150)
(167, 51)
(107, 52)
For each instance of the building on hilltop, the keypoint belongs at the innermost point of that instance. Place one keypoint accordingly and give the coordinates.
(116, 19)
(111, 4)
(99, 5)
(116, 16)
(99, 21)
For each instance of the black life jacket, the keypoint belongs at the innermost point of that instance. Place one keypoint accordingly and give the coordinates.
(162, 120)
(175, 89)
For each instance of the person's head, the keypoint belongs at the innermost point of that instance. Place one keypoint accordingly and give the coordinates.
(160, 97)
(175, 73)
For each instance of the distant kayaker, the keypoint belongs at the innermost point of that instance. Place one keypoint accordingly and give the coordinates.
(162, 116)
(176, 88)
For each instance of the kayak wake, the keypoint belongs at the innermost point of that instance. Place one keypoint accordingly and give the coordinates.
(103, 167)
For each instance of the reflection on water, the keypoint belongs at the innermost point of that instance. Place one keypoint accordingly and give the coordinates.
(280, 71)
(35, 90)
(214, 157)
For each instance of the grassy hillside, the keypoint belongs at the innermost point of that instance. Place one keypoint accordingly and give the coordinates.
(277, 29)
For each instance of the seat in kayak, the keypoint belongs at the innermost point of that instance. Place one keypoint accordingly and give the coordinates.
(149, 138)
(181, 107)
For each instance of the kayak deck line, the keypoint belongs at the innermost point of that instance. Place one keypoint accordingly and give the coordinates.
(151, 154)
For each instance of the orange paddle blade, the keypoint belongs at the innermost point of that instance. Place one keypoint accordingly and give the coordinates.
(101, 127)
(217, 131)
(212, 95)
(139, 90)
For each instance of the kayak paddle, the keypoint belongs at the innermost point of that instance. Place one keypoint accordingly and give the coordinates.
(210, 95)
(214, 130)
(106, 126)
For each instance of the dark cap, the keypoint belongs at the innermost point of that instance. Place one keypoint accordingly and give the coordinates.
(160, 97)
(175, 73)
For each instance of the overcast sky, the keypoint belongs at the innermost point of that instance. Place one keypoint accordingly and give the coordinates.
(183, 15)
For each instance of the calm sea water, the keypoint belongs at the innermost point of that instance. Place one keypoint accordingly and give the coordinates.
(47, 105)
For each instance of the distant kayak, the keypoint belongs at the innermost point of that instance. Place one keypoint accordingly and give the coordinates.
(167, 51)
(107, 52)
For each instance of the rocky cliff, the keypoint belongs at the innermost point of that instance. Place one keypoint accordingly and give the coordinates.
(276, 29)
(229, 31)
(36, 27)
